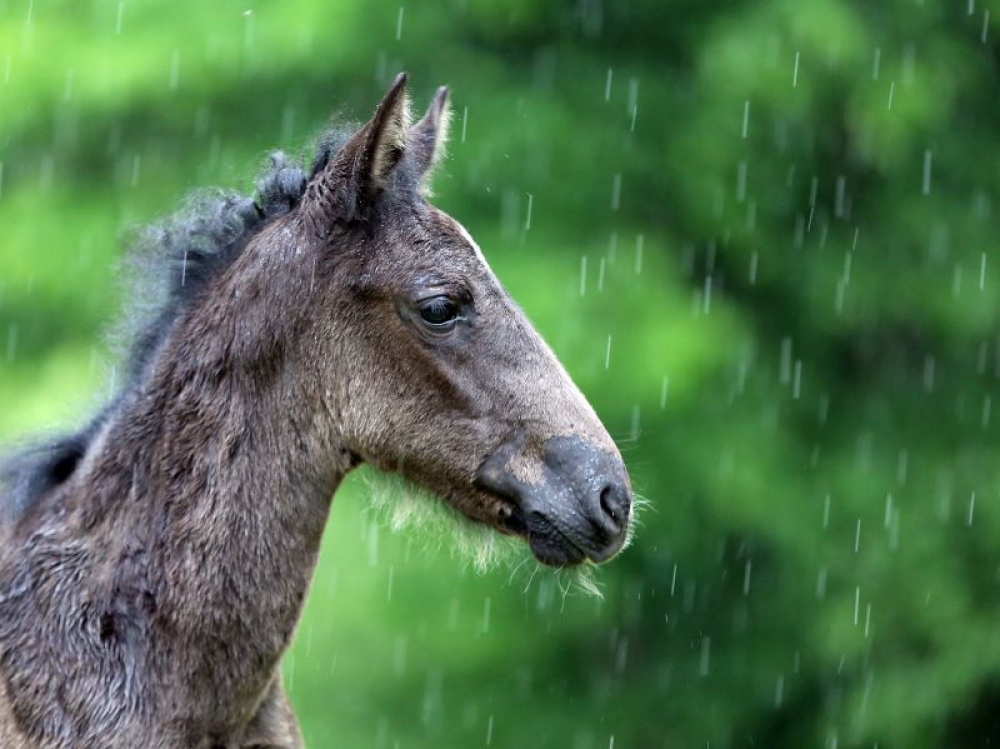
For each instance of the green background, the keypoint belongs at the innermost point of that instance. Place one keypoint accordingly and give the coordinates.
(780, 213)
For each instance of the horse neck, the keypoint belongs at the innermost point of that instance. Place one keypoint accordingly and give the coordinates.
(229, 471)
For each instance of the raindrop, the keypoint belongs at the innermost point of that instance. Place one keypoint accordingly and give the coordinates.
(779, 690)
(746, 577)
(746, 118)
(634, 427)
(797, 380)
(489, 730)
(616, 191)
(607, 353)
(607, 86)
(892, 93)
(175, 69)
(119, 16)
(838, 201)
(706, 654)
(982, 272)
(800, 231)
(465, 121)
(673, 581)
(986, 26)
(633, 94)
(926, 187)
(972, 509)
(857, 537)
(527, 219)
(741, 182)
(639, 241)
(11, 342)
(821, 584)
(248, 30)
(929, 373)
(754, 258)
(583, 275)
(795, 72)
(857, 604)
(785, 367)
(664, 388)
(399, 24)
(876, 62)
(824, 408)
(888, 509)
(486, 615)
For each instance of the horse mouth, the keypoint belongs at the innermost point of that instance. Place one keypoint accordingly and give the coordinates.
(548, 543)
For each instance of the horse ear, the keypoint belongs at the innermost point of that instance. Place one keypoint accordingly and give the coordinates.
(385, 138)
(352, 178)
(429, 137)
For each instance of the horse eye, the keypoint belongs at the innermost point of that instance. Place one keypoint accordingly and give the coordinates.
(439, 311)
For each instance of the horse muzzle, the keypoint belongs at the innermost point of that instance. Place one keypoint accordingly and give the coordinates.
(575, 507)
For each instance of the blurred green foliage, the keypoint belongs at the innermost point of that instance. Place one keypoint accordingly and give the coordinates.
(762, 238)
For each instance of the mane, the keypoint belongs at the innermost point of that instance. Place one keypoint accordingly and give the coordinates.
(170, 264)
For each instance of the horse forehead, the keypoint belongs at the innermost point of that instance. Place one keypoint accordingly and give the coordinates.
(445, 223)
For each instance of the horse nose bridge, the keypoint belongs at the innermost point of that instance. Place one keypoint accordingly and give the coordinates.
(553, 406)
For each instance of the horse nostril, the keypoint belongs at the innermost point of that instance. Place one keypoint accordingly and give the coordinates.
(615, 504)
(606, 502)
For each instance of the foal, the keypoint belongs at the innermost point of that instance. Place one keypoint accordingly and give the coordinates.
(153, 566)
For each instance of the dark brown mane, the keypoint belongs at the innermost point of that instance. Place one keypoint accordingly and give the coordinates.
(173, 261)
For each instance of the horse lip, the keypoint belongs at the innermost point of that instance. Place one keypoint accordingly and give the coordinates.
(517, 501)
(591, 553)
